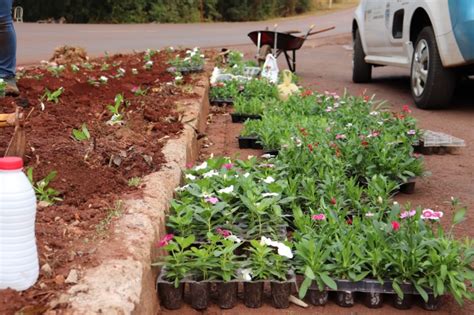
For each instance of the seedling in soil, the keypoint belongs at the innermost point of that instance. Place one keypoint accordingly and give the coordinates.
(56, 70)
(120, 73)
(38, 77)
(178, 78)
(3, 86)
(148, 54)
(134, 182)
(112, 213)
(105, 67)
(75, 68)
(81, 134)
(52, 96)
(148, 65)
(88, 66)
(117, 116)
(43, 192)
(103, 79)
(138, 91)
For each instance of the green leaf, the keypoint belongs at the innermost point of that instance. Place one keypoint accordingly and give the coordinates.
(304, 287)
(309, 273)
(397, 289)
(422, 292)
(443, 272)
(459, 216)
(328, 281)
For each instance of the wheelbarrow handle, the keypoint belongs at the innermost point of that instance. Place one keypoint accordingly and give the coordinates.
(321, 31)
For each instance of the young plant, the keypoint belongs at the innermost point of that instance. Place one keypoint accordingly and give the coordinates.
(43, 192)
(134, 182)
(177, 261)
(81, 134)
(115, 212)
(3, 86)
(56, 71)
(115, 110)
(194, 60)
(52, 96)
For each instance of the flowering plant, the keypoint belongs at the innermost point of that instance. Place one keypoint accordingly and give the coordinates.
(193, 60)
(177, 262)
(3, 86)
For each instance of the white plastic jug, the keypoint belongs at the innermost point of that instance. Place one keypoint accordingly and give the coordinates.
(19, 266)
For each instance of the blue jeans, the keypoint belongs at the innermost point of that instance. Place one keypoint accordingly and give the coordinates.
(7, 41)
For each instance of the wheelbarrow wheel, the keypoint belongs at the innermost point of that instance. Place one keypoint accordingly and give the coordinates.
(361, 70)
(262, 54)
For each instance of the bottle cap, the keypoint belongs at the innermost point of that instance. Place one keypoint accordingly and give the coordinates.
(11, 163)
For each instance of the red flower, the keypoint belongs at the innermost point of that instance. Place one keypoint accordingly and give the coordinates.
(406, 109)
(365, 144)
(224, 233)
(395, 225)
(165, 241)
(310, 147)
(333, 201)
(366, 98)
(349, 221)
(303, 132)
(189, 165)
(307, 93)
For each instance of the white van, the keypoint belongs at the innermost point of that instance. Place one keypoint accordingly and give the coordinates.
(434, 38)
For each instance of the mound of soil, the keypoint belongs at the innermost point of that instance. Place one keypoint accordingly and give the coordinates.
(92, 175)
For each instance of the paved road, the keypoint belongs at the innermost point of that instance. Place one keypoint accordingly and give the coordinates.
(37, 41)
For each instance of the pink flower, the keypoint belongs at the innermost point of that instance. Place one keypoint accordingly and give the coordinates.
(407, 214)
(135, 89)
(406, 109)
(411, 132)
(319, 217)
(224, 233)
(429, 214)
(189, 165)
(165, 241)
(395, 226)
(228, 166)
(339, 137)
(212, 200)
(375, 134)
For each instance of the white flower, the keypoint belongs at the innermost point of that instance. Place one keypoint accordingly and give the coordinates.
(250, 157)
(285, 251)
(121, 71)
(349, 125)
(203, 166)
(210, 174)
(374, 113)
(246, 175)
(190, 177)
(134, 71)
(182, 188)
(265, 195)
(269, 180)
(188, 52)
(234, 239)
(149, 63)
(178, 78)
(369, 214)
(245, 274)
(267, 156)
(266, 241)
(227, 190)
(103, 79)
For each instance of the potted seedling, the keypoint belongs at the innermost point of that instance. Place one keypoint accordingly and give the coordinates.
(175, 268)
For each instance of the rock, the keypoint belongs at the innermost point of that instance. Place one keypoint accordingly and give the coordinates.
(47, 270)
(59, 279)
(73, 277)
(43, 204)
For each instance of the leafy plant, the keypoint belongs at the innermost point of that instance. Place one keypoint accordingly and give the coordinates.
(115, 110)
(43, 192)
(3, 86)
(81, 134)
(56, 71)
(52, 96)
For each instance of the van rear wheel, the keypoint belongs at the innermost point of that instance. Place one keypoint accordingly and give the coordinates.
(361, 70)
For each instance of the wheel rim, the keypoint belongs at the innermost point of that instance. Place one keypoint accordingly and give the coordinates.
(420, 67)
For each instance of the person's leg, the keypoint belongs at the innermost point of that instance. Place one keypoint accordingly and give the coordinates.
(8, 49)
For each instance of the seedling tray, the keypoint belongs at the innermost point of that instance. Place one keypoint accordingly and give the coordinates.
(372, 294)
(239, 118)
(227, 292)
(222, 102)
(249, 143)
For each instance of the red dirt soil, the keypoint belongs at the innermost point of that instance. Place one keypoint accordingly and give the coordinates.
(92, 175)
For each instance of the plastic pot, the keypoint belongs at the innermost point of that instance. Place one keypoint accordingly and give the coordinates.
(199, 295)
(227, 294)
(373, 300)
(408, 187)
(170, 297)
(345, 298)
(317, 297)
(281, 294)
(253, 294)
(404, 303)
(433, 304)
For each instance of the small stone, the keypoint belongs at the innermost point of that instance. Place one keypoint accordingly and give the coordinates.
(73, 277)
(42, 286)
(43, 204)
(47, 270)
(59, 279)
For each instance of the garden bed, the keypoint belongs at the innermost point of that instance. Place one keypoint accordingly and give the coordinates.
(95, 173)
